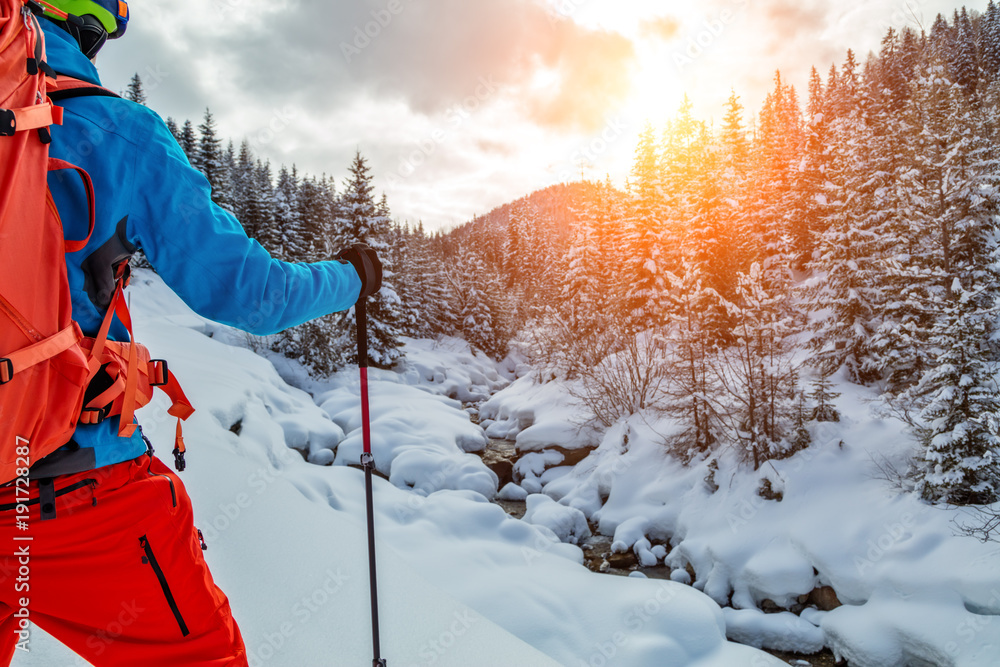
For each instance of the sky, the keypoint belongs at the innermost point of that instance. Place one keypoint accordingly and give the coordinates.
(462, 105)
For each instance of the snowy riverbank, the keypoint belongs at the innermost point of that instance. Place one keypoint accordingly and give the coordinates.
(461, 583)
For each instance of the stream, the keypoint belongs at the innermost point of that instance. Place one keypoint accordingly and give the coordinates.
(501, 455)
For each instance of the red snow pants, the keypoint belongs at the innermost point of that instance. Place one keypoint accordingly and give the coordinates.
(117, 575)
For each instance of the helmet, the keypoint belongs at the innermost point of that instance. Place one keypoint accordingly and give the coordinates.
(92, 22)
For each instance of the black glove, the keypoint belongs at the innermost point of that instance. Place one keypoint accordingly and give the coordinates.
(368, 266)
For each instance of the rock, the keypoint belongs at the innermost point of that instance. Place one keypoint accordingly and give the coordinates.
(770, 606)
(504, 470)
(824, 598)
(625, 561)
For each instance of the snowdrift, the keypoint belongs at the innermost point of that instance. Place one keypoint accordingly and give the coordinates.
(461, 583)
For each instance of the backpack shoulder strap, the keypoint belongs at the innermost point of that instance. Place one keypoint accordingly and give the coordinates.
(67, 87)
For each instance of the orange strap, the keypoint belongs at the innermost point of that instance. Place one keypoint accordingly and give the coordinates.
(135, 390)
(36, 116)
(56, 164)
(38, 352)
(126, 427)
(180, 405)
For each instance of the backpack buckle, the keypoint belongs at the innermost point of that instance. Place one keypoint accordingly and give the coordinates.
(6, 370)
(94, 415)
(8, 123)
(159, 374)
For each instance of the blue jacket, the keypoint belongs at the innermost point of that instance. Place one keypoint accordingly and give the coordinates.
(148, 194)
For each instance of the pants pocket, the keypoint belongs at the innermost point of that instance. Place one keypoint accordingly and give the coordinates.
(150, 558)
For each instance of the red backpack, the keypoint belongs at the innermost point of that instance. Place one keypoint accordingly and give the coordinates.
(46, 364)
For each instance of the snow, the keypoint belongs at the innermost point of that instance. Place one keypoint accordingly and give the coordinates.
(567, 523)
(460, 582)
(512, 492)
(517, 418)
(913, 590)
(783, 631)
(281, 505)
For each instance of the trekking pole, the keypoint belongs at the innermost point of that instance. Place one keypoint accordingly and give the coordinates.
(368, 463)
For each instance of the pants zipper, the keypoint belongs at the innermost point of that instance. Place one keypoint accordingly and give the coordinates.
(151, 560)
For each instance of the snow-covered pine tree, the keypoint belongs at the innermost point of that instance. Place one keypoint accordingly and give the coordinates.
(959, 402)
(989, 40)
(822, 396)
(644, 263)
(422, 285)
(947, 184)
(211, 161)
(479, 301)
(691, 336)
(963, 61)
(583, 297)
(270, 234)
(252, 198)
(174, 130)
(362, 222)
(773, 235)
(189, 142)
(756, 375)
(134, 91)
(286, 214)
(953, 194)
(863, 226)
(314, 217)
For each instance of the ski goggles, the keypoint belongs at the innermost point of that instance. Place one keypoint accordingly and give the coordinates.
(111, 15)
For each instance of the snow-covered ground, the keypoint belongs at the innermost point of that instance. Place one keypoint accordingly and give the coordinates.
(914, 591)
(461, 583)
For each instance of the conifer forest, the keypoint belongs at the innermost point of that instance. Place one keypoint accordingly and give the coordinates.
(848, 229)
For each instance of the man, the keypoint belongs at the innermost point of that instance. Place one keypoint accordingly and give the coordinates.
(116, 566)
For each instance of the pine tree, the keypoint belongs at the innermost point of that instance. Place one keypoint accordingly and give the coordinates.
(646, 268)
(758, 379)
(823, 396)
(362, 222)
(212, 163)
(189, 142)
(863, 220)
(989, 40)
(963, 65)
(477, 298)
(286, 214)
(134, 92)
(689, 334)
(270, 233)
(959, 425)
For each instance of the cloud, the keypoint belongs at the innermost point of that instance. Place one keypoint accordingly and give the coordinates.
(433, 55)
(593, 75)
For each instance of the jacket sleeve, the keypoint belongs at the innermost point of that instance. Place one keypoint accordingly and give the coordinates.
(201, 251)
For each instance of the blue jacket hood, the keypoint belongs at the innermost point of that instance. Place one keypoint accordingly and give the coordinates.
(64, 56)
